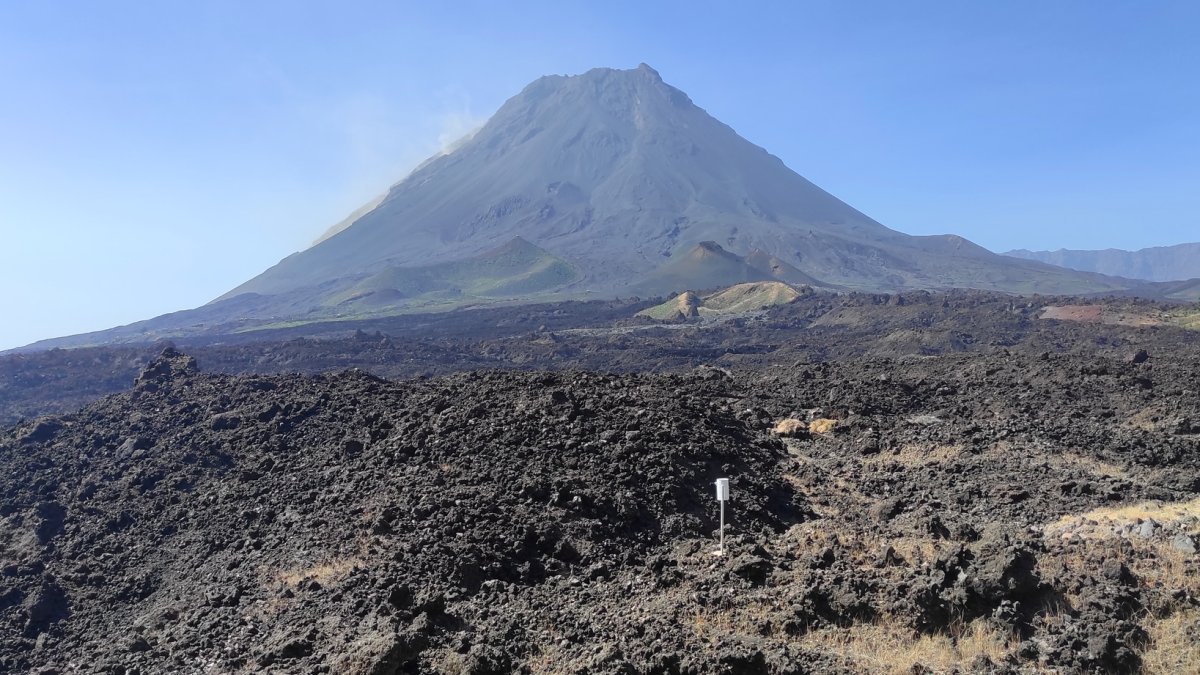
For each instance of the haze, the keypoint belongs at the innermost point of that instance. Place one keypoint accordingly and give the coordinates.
(154, 158)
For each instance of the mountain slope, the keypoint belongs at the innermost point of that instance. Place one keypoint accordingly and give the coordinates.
(1159, 263)
(516, 269)
(1187, 290)
(780, 269)
(707, 265)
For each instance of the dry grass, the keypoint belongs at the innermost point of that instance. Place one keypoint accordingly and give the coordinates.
(448, 662)
(789, 427)
(914, 549)
(823, 425)
(1148, 419)
(1163, 512)
(753, 617)
(359, 652)
(542, 664)
(888, 647)
(325, 573)
(551, 659)
(863, 548)
(708, 623)
(1174, 645)
(1173, 629)
(794, 480)
(1089, 464)
(1102, 314)
(1171, 568)
(1161, 569)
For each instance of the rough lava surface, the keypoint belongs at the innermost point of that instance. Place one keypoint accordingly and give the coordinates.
(503, 521)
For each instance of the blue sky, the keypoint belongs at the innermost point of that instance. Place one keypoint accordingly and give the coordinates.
(155, 154)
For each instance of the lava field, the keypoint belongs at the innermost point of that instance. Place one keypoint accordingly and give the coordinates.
(930, 483)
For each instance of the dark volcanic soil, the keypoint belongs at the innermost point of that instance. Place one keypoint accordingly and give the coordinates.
(994, 494)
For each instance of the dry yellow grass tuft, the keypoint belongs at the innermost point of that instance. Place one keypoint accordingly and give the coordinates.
(888, 647)
(1174, 645)
(914, 548)
(821, 426)
(863, 548)
(1169, 568)
(1159, 566)
(324, 573)
(1162, 512)
(789, 427)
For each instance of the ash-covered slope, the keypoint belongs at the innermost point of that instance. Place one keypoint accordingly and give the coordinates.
(617, 172)
(1158, 263)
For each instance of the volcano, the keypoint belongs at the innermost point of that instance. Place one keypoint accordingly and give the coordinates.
(619, 173)
(608, 184)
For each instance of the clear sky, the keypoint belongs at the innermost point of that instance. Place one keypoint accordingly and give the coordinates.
(155, 154)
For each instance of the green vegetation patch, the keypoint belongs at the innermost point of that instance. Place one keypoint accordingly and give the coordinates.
(1188, 318)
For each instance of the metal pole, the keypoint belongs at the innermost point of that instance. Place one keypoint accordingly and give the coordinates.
(722, 549)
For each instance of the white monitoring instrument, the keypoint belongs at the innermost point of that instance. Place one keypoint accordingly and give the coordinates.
(722, 497)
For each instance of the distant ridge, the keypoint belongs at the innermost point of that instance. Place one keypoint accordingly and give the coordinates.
(1158, 263)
